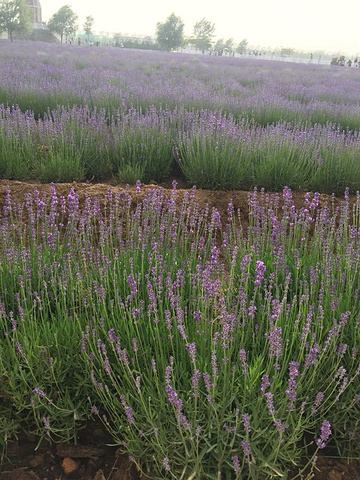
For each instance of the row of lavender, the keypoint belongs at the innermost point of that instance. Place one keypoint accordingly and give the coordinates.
(207, 351)
(211, 150)
(37, 76)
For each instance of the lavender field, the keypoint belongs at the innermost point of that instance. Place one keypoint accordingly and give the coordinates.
(70, 113)
(212, 344)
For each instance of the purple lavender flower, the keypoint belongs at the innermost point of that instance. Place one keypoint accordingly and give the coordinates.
(264, 383)
(134, 344)
(40, 393)
(214, 365)
(191, 348)
(182, 331)
(259, 273)
(168, 373)
(342, 388)
(252, 311)
(94, 410)
(291, 391)
(214, 255)
(128, 410)
(20, 350)
(184, 421)
(324, 434)
(195, 382)
(13, 322)
(46, 422)
(207, 381)
(138, 382)
(246, 423)
(242, 355)
(197, 316)
(153, 365)
(318, 401)
(280, 426)
(311, 357)
(236, 464)
(166, 464)
(275, 341)
(107, 366)
(132, 284)
(270, 403)
(245, 444)
(173, 398)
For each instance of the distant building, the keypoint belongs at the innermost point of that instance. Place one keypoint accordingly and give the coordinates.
(37, 15)
(39, 31)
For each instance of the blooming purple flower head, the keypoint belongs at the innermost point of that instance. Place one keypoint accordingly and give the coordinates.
(259, 273)
(173, 398)
(112, 336)
(128, 410)
(37, 391)
(236, 464)
(246, 448)
(191, 348)
(166, 464)
(318, 400)
(291, 391)
(264, 383)
(324, 434)
(246, 422)
(270, 403)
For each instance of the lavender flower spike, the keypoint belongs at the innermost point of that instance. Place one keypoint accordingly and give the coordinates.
(324, 435)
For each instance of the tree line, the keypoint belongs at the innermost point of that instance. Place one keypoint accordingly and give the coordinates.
(170, 36)
(15, 19)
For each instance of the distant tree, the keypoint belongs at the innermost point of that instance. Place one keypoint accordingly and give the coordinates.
(63, 22)
(170, 34)
(15, 17)
(219, 46)
(287, 51)
(241, 48)
(203, 33)
(229, 45)
(89, 22)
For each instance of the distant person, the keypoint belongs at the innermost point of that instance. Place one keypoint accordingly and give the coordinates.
(349, 63)
(79, 41)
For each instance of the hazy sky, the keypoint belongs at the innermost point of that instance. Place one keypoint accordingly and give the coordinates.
(303, 24)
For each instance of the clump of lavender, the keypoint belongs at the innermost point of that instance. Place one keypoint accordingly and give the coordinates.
(165, 323)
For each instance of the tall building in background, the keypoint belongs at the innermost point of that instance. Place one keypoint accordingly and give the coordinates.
(37, 16)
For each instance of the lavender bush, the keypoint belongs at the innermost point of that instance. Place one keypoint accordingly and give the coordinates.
(217, 152)
(208, 351)
(211, 149)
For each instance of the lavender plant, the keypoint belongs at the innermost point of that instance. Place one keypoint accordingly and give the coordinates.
(217, 152)
(208, 351)
(213, 153)
(141, 143)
